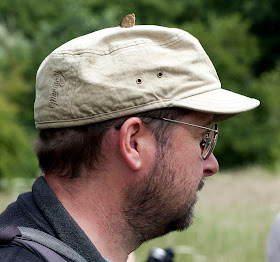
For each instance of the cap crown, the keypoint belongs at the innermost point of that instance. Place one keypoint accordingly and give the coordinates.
(120, 71)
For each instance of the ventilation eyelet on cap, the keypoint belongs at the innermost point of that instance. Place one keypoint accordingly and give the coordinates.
(139, 81)
(159, 74)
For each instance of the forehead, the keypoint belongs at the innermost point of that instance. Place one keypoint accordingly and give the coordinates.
(199, 118)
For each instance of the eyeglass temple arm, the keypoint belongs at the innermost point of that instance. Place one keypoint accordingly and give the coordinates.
(179, 122)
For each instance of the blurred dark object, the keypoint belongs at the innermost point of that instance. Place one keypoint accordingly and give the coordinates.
(161, 255)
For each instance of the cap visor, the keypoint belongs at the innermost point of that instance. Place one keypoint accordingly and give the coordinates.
(224, 104)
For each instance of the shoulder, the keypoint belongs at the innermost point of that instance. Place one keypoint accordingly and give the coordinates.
(17, 254)
(276, 227)
(277, 219)
(17, 212)
(273, 242)
(25, 212)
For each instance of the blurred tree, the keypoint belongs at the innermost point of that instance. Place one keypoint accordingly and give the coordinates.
(232, 56)
(254, 137)
(163, 13)
(73, 20)
(17, 157)
(265, 139)
(26, 16)
(264, 16)
(15, 60)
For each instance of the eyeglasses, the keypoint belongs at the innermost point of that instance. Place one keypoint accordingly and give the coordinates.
(208, 143)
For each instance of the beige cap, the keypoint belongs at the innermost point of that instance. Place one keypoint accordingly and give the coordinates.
(118, 71)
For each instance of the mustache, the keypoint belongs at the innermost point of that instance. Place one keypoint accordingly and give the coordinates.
(201, 184)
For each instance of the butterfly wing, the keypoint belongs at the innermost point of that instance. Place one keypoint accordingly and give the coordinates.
(128, 21)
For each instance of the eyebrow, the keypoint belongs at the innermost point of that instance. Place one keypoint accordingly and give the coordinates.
(209, 122)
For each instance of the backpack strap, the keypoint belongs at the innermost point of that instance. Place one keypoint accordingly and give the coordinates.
(8, 233)
(42, 244)
(41, 251)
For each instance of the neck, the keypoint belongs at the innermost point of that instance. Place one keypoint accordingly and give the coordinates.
(99, 214)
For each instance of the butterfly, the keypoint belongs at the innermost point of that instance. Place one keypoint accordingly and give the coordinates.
(128, 21)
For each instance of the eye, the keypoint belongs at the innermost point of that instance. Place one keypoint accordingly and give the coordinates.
(203, 143)
(206, 141)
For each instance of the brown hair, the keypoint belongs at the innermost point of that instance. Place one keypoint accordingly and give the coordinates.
(65, 151)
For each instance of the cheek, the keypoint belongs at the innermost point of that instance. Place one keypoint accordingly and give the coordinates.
(186, 155)
(186, 147)
(189, 167)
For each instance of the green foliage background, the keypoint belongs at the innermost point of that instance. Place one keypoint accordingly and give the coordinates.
(241, 38)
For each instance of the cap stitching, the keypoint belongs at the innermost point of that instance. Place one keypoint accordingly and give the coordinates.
(121, 110)
(104, 114)
(109, 51)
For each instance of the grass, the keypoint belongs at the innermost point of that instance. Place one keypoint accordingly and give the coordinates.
(233, 218)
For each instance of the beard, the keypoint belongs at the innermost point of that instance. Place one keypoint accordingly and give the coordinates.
(155, 206)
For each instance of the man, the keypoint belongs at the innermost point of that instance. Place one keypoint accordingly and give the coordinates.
(124, 143)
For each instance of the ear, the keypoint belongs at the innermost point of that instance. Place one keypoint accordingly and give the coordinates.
(135, 138)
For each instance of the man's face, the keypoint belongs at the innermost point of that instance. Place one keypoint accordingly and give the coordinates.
(164, 200)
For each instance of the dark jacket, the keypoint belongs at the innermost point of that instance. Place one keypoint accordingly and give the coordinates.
(40, 209)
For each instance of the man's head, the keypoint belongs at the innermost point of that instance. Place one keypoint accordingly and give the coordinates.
(164, 200)
(105, 104)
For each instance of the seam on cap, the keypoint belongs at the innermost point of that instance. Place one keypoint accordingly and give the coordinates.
(199, 93)
(109, 51)
(125, 109)
(104, 114)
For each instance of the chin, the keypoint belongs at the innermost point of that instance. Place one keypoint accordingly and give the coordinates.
(183, 221)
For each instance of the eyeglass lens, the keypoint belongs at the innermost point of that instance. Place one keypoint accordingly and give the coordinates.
(210, 142)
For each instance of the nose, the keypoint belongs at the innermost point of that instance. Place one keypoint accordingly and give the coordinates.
(210, 166)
